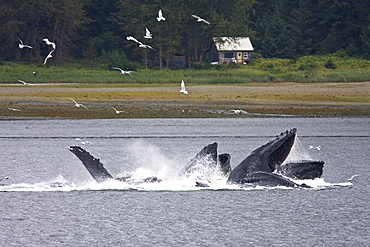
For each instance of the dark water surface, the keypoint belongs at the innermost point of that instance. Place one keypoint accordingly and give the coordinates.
(51, 200)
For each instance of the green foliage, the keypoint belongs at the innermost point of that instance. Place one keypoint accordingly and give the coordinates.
(180, 33)
(365, 40)
(276, 42)
(314, 27)
(329, 64)
(96, 30)
(305, 69)
(301, 28)
(58, 20)
(274, 65)
(307, 63)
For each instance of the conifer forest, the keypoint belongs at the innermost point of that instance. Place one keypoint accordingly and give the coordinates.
(96, 31)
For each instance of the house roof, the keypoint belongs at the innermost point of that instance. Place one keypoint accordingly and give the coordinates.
(233, 44)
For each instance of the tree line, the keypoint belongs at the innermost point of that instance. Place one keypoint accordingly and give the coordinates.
(94, 30)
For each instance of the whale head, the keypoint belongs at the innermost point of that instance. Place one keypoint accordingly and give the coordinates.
(277, 150)
(266, 158)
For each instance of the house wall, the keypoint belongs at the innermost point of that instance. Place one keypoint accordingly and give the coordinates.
(226, 57)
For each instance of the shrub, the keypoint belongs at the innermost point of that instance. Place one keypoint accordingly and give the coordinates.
(274, 65)
(330, 64)
(306, 65)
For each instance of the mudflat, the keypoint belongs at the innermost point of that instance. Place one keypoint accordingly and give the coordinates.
(157, 100)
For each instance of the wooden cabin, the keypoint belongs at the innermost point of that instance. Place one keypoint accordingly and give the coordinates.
(233, 49)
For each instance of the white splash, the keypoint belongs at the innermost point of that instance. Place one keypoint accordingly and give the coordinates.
(151, 161)
(298, 152)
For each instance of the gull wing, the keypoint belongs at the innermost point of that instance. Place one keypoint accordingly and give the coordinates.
(117, 68)
(133, 39)
(182, 85)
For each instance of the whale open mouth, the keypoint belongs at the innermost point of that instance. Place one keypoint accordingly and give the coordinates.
(280, 148)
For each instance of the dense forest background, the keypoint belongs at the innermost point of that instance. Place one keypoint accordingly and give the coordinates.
(95, 31)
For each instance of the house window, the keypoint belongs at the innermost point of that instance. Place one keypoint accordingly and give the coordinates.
(245, 55)
(228, 55)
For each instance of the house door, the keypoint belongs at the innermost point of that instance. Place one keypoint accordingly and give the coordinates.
(239, 57)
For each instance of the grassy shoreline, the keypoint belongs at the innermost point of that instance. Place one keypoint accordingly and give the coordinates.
(327, 85)
(336, 67)
(210, 76)
(164, 100)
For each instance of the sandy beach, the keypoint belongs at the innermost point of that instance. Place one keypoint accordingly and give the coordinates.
(147, 101)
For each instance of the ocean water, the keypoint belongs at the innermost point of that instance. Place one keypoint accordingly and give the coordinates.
(49, 199)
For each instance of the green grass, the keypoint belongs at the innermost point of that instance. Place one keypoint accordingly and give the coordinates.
(335, 68)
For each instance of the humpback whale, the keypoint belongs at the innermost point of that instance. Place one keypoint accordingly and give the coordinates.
(265, 158)
(258, 167)
(97, 169)
(264, 166)
(206, 164)
(207, 161)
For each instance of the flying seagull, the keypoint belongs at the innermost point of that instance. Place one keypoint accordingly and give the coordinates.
(318, 148)
(183, 90)
(83, 142)
(200, 19)
(48, 42)
(86, 142)
(117, 111)
(48, 56)
(24, 83)
(351, 178)
(148, 34)
(133, 39)
(141, 45)
(21, 45)
(77, 104)
(123, 71)
(160, 16)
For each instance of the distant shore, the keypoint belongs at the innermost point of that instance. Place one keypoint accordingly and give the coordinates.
(156, 100)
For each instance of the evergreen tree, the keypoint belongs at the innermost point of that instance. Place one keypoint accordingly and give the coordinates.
(341, 23)
(301, 28)
(227, 18)
(276, 41)
(93, 29)
(101, 34)
(365, 39)
(33, 20)
(181, 33)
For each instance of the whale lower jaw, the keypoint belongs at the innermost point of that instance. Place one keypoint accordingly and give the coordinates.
(302, 169)
(266, 179)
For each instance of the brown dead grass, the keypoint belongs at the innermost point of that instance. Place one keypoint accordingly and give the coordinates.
(307, 99)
